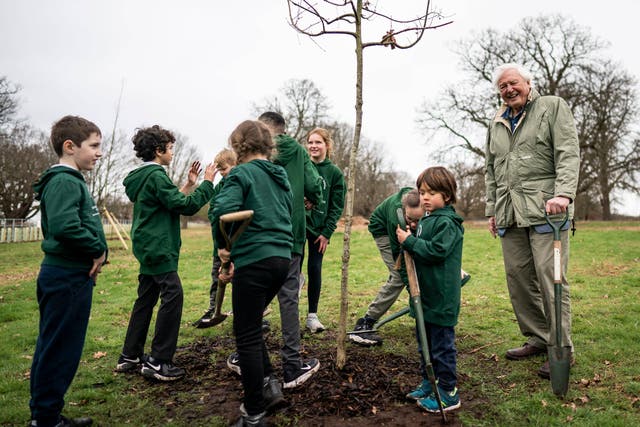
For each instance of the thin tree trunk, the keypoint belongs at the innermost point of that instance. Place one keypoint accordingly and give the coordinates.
(341, 355)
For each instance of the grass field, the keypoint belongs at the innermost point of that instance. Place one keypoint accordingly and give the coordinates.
(604, 274)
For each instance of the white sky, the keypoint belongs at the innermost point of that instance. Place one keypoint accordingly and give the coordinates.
(197, 66)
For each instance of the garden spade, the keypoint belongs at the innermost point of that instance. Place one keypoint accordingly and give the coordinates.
(559, 355)
(414, 291)
(226, 219)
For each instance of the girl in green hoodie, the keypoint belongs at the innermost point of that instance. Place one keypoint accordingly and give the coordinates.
(259, 258)
(321, 219)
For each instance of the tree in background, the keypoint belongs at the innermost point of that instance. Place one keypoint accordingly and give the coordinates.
(565, 60)
(346, 17)
(304, 107)
(24, 153)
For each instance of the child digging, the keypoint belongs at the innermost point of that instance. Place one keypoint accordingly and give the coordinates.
(437, 251)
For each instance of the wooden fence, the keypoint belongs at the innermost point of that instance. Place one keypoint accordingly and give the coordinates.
(20, 230)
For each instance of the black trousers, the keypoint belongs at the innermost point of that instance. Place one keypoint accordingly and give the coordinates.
(254, 286)
(168, 288)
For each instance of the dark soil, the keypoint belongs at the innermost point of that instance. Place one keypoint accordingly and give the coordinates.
(369, 390)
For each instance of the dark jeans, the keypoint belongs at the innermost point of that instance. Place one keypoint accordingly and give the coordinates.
(443, 354)
(168, 287)
(215, 271)
(64, 298)
(253, 288)
(314, 273)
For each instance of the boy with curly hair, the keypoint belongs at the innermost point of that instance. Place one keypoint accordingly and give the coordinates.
(155, 233)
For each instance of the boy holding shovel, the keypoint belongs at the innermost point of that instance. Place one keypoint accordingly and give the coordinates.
(437, 251)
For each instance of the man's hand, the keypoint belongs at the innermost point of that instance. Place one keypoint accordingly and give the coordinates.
(492, 226)
(557, 205)
(402, 234)
(97, 266)
(323, 242)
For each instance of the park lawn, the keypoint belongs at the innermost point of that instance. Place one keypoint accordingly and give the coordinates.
(604, 274)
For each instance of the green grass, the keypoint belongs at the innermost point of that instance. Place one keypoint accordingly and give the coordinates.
(605, 284)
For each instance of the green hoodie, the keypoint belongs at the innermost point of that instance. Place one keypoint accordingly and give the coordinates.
(323, 218)
(304, 181)
(158, 204)
(70, 220)
(263, 187)
(384, 219)
(216, 191)
(437, 252)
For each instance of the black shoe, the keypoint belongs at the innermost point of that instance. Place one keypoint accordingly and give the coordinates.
(67, 422)
(247, 420)
(128, 364)
(162, 371)
(366, 339)
(205, 320)
(233, 363)
(266, 326)
(306, 371)
(272, 393)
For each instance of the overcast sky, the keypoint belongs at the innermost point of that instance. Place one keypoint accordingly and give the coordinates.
(198, 66)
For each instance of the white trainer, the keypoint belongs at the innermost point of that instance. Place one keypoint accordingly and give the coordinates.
(313, 323)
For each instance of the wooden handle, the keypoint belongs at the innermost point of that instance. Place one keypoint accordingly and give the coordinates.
(414, 288)
(236, 216)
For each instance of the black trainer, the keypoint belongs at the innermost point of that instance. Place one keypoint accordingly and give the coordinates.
(67, 422)
(247, 420)
(233, 363)
(162, 371)
(272, 393)
(128, 364)
(305, 372)
(366, 339)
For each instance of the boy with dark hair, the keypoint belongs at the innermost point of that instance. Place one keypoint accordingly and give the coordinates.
(155, 233)
(260, 260)
(74, 249)
(437, 251)
(224, 161)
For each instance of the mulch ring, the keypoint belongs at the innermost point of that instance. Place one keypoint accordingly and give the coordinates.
(369, 390)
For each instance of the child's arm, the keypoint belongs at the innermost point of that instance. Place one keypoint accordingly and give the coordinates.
(169, 195)
(335, 207)
(438, 247)
(192, 177)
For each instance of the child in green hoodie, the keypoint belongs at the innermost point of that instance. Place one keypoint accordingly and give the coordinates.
(155, 233)
(437, 251)
(260, 259)
(74, 249)
(224, 161)
(321, 219)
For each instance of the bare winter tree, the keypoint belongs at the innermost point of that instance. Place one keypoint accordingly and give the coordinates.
(347, 17)
(302, 105)
(105, 180)
(8, 103)
(564, 58)
(32, 147)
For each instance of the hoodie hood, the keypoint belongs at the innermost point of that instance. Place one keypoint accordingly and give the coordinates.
(448, 211)
(286, 148)
(135, 180)
(277, 172)
(46, 176)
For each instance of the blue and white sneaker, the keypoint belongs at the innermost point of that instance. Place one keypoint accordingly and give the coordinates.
(423, 391)
(450, 401)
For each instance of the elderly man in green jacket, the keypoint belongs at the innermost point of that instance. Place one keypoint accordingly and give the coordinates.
(532, 164)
